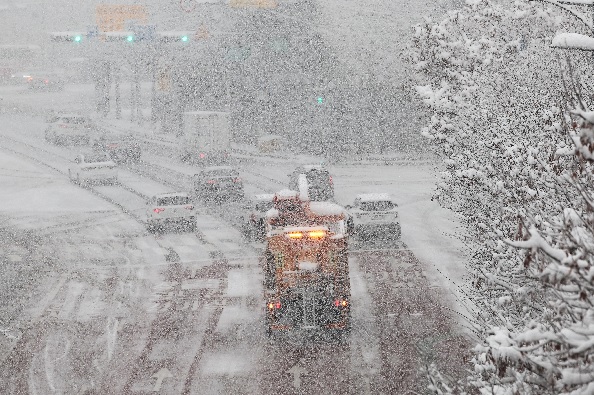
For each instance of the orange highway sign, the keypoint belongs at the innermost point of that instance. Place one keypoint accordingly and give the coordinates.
(113, 17)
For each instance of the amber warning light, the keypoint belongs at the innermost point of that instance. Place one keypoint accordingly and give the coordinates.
(314, 234)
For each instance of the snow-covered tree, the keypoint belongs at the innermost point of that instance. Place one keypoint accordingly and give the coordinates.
(510, 119)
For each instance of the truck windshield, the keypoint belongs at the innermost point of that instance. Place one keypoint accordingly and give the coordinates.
(173, 201)
(222, 173)
(97, 157)
(377, 206)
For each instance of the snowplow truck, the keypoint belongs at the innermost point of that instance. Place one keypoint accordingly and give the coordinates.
(306, 272)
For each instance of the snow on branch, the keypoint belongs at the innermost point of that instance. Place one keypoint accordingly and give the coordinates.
(573, 41)
(536, 242)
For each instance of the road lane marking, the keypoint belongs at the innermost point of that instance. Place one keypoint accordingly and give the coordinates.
(162, 374)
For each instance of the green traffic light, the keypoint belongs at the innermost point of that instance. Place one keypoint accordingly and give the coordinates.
(320, 100)
(130, 39)
(184, 39)
(77, 39)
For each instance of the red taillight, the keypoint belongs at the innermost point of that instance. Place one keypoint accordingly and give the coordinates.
(189, 207)
(274, 305)
(62, 125)
(341, 303)
(211, 181)
(158, 210)
(202, 155)
(237, 179)
(46, 81)
(331, 182)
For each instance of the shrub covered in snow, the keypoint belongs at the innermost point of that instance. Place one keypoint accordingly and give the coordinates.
(511, 121)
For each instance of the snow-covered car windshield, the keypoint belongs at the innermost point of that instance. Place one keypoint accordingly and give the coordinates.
(73, 120)
(173, 201)
(96, 157)
(379, 205)
(220, 173)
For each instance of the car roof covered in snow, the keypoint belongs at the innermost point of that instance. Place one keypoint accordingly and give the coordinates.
(326, 208)
(171, 194)
(264, 197)
(215, 168)
(312, 167)
(269, 137)
(287, 193)
(374, 197)
(69, 115)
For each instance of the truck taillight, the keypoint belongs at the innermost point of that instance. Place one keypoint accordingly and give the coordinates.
(331, 181)
(202, 155)
(341, 303)
(189, 207)
(274, 305)
(158, 210)
(237, 179)
(211, 182)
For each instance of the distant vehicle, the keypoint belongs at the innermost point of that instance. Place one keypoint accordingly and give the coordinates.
(121, 148)
(207, 138)
(92, 167)
(69, 129)
(173, 207)
(45, 82)
(320, 186)
(216, 182)
(16, 77)
(255, 221)
(374, 213)
(16, 57)
(270, 143)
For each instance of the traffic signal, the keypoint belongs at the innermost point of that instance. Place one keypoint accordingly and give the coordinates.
(320, 100)
(75, 37)
(173, 37)
(128, 37)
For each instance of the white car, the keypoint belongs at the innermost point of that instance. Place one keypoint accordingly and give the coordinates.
(174, 207)
(92, 167)
(374, 213)
(69, 129)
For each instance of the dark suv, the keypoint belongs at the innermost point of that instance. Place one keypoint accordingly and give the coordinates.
(319, 182)
(216, 182)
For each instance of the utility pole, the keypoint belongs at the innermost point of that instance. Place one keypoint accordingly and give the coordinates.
(118, 104)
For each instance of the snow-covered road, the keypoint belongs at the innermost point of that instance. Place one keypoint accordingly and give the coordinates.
(109, 312)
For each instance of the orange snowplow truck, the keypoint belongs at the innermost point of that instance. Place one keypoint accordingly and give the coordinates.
(306, 272)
